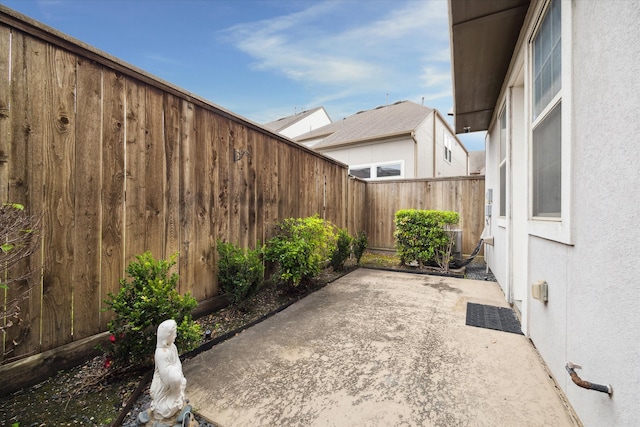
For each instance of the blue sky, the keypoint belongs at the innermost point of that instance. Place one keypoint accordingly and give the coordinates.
(267, 59)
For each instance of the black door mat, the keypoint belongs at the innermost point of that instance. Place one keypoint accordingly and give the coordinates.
(492, 317)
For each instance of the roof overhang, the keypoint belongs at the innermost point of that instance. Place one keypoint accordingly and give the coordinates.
(483, 37)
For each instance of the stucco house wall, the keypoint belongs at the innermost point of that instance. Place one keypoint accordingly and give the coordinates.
(404, 132)
(589, 260)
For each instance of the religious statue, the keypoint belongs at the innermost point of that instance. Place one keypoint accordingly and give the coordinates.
(168, 402)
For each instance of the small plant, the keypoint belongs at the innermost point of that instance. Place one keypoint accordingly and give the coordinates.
(360, 243)
(300, 248)
(342, 250)
(240, 272)
(422, 235)
(142, 303)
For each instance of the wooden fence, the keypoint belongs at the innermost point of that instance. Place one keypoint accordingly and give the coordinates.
(464, 195)
(119, 162)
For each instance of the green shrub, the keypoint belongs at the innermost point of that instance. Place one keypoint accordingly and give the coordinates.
(423, 235)
(142, 303)
(300, 248)
(240, 272)
(342, 250)
(360, 243)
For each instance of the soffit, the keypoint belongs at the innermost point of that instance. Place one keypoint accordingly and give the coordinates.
(483, 37)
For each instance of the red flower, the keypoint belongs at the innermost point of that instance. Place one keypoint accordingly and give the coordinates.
(107, 363)
(112, 338)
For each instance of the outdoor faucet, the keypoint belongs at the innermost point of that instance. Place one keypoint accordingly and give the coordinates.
(571, 367)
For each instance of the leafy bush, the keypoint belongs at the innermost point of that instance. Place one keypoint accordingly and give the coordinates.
(240, 272)
(342, 250)
(360, 243)
(142, 303)
(422, 235)
(300, 248)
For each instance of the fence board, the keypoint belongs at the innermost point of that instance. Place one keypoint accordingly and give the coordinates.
(113, 169)
(187, 217)
(5, 116)
(204, 185)
(59, 172)
(172, 174)
(155, 174)
(25, 151)
(136, 170)
(86, 277)
(224, 159)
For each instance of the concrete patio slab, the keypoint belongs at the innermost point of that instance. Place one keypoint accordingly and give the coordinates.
(378, 348)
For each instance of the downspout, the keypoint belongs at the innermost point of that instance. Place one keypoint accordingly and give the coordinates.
(434, 143)
(416, 172)
(571, 367)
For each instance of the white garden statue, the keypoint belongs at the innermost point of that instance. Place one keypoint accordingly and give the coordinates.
(168, 402)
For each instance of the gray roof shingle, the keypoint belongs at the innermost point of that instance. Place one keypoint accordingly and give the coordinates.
(400, 117)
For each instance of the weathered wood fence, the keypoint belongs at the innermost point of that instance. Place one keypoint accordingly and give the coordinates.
(464, 195)
(119, 162)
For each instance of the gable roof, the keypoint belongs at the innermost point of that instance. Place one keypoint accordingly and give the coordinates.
(403, 117)
(285, 122)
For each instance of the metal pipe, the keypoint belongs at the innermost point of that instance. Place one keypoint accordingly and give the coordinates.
(571, 367)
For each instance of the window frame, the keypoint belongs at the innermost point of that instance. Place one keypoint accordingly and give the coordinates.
(552, 228)
(502, 161)
(448, 147)
(373, 168)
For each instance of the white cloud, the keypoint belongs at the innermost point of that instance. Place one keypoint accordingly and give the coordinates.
(368, 55)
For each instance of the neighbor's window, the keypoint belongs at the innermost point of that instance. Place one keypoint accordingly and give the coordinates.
(390, 170)
(503, 162)
(447, 147)
(378, 171)
(362, 172)
(547, 116)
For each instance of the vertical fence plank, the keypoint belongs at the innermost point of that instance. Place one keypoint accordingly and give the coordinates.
(5, 115)
(59, 194)
(252, 188)
(188, 155)
(113, 125)
(87, 229)
(172, 174)
(204, 184)
(136, 172)
(155, 173)
(224, 158)
(24, 157)
(5, 150)
(271, 172)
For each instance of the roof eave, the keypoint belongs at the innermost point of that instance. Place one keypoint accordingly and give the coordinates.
(483, 37)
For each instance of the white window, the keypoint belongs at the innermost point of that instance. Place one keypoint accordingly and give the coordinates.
(387, 170)
(503, 162)
(447, 147)
(546, 140)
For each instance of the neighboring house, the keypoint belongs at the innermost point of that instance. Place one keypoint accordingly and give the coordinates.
(555, 85)
(476, 162)
(402, 140)
(300, 123)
